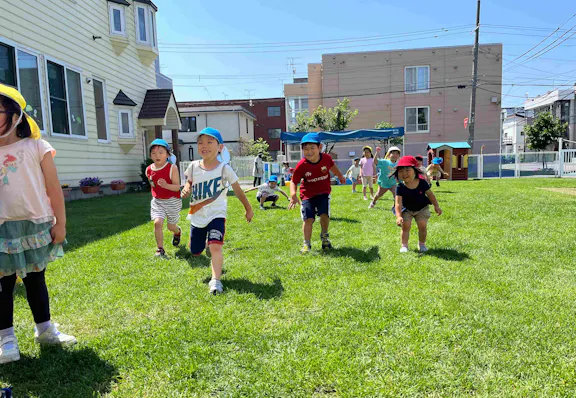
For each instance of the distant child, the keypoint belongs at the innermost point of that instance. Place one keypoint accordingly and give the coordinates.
(268, 192)
(314, 172)
(208, 180)
(385, 167)
(166, 204)
(32, 222)
(286, 173)
(413, 195)
(435, 172)
(367, 171)
(424, 174)
(353, 173)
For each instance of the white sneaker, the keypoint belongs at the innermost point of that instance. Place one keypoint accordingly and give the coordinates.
(371, 205)
(54, 337)
(365, 198)
(423, 249)
(404, 249)
(9, 351)
(215, 286)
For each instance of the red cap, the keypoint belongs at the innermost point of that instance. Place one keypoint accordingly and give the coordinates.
(407, 161)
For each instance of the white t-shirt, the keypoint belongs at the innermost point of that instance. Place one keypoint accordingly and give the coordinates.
(354, 172)
(265, 188)
(258, 170)
(207, 185)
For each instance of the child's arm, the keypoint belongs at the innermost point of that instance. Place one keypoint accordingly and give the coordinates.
(398, 208)
(242, 197)
(336, 171)
(434, 201)
(250, 189)
(186, 189)
(442, 171)
(293, 197)
(175, 177)
(54, 192)
(284, 193)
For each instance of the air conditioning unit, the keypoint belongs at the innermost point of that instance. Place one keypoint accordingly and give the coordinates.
(495, 100)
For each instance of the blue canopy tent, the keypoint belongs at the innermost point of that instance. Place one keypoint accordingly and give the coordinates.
(330, 137)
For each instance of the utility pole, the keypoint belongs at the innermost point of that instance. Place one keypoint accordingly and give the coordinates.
(474, 82)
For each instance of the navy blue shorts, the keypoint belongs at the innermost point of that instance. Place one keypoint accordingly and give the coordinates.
(213, 232)
(315, 206)
(269, 198)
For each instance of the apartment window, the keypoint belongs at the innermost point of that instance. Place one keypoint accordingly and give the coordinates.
(274, 133)
(188, 124)
(295, 106)
(145, 25)
(125, 124)
(117, 20)
(8, 65)
(417, 79)
(101, 110)
(66, 100)
(417, 120)
(274, 111)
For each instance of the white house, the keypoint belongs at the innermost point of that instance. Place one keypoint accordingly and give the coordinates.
(513, 138)
(87, 70)
(561, 103)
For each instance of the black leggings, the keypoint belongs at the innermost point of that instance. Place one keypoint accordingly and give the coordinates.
(257, 181)
(36, 293)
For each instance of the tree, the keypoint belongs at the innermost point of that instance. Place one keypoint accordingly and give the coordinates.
(334, 119)
(543, 132)
(388, 142)
(242, 148)
(304, 123)
(260, 147)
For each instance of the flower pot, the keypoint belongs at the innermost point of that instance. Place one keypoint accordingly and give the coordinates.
(118, 187)
(90, 189)
(66, 191)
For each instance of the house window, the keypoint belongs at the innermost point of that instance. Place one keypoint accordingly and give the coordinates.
(125, 124)
(188, 124)
(274, 133)
(7, 65)
(101, 110)
(153, 28)
(146, 26)
(274, 111)
(295, 105)
(247, 131)
(417, 120)
(417, 79)
(117, 20)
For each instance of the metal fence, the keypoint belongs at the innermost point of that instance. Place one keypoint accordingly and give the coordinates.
(523, 164)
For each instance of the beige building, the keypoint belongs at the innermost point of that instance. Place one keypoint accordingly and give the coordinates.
(427, 91)
(86, 68)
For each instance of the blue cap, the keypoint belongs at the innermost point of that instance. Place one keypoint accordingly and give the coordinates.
(160, 142)
(311, 138)
(273, 179)
(212, 133)
(437, 161)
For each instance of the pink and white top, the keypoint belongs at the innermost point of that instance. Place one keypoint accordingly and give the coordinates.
(22, 186)
(367, 165)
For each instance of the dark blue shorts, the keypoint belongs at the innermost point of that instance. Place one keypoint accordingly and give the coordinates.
(269, 198)
(315, 206)
(213, 232)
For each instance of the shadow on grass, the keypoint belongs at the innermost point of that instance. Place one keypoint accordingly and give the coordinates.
(60, 372)
(201, 261)
(262, 291)
(345, 220)
(361, 256)
(448, 254)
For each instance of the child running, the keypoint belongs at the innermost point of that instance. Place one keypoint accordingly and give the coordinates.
(435, 172)
(423, 174)
(286, 173)
(32, 222)
(166, 204)
(314, 172)
(353, 173)
(208, 180)
(367, 171)
(385, 167)
(268, 192)
(413, 195)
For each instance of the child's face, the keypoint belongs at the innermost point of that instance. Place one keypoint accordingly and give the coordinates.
(419, 163)
(311, 151)
(356, 163)
(367, 153)
(272, 184)
(208, 147)
(159, 154)
(406, 173)
(3, 119)
(394, 155)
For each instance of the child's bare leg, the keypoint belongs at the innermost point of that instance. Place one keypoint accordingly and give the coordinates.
(406, 232)
(324, 223)
(158, 233)
(174, 228)
(371, 192)
(217, 260)
(263, 199)
(363, 189)
(422, 231)
(379, 194)
(307, 229)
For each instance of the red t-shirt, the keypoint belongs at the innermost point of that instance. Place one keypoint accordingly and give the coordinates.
(315, 176)
(165, 173)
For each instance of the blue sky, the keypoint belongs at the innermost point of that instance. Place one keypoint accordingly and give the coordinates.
(215, 40)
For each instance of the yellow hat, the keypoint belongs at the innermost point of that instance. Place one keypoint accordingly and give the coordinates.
(367, 147)
(15, 95)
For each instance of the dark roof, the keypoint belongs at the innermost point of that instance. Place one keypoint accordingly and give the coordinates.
(241, 102)
(149, 3)
(155, 104)
(123, 99)
(122, 2)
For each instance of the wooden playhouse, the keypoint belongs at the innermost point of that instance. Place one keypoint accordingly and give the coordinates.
(455, 155)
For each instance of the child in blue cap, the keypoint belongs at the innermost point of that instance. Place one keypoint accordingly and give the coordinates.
(313, 172)
(208, 181)
(435, 171)
(268, 192)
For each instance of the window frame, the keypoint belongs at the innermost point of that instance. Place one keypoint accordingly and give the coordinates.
(150, 24)
(406, 120)
(132, 134)
(76, 70)
(39, 58)
(195, 124)
(416, 91)
(111, 8)
(108, 140)
(289, 110)
(275, 107)
(279, 132)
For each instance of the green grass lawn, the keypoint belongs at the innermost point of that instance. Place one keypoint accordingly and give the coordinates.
(490, 311)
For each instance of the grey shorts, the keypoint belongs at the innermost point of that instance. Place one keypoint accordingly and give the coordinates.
(423, 214)
(166, 209)
(368, 181)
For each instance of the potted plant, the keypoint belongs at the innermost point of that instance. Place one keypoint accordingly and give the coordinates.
(117, 185)
(90, 185)
(66, 190)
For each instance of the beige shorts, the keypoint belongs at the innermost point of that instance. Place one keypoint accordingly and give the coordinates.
(368, 181)
(423, 214)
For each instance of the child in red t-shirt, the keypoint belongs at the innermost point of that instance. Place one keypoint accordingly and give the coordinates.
(313, 172)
